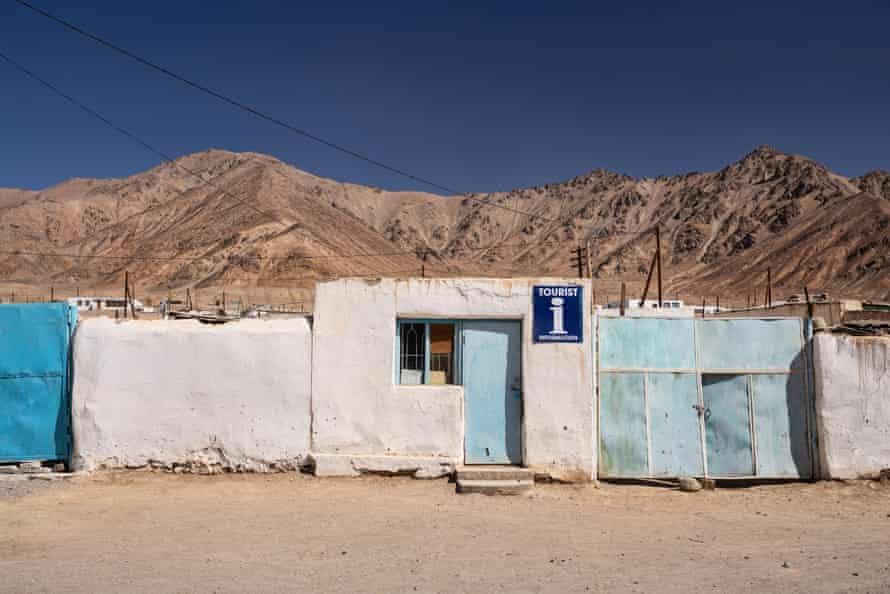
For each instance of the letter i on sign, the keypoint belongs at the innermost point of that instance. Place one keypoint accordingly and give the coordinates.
(557, 309)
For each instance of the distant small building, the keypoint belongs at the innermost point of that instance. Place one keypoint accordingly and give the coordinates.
(102, 304)
(674, 308)
(632, 303)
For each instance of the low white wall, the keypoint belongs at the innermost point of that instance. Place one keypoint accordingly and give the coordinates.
(852, 404)
(167, 393)
(358, 410)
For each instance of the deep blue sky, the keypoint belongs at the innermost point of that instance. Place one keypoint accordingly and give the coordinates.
(476, 95)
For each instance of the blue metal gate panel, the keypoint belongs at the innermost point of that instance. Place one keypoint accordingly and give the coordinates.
(780, 418)
(34, 381)
(492, 380)
(623, 449)
(646, 343)
(737, 387)
(674, 424)
(731, 344)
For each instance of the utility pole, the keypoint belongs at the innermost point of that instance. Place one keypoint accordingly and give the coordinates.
(589, 260)
(649, 278)
(768, 296)
(623, 297)
(658, 256)
(423, 263)
(578, 260)
(52, 294)
(126, 292)
(132, 291)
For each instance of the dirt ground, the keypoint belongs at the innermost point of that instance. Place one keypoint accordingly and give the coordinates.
(157, 533)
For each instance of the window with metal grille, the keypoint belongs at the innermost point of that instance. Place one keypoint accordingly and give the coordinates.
(426, 352)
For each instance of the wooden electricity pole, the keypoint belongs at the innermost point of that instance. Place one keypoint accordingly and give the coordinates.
(623, 297)
(589, 260)
(658, 256)
(578, 260)
(126, 292)
(768, 295)
(133, 299)
(656, 261)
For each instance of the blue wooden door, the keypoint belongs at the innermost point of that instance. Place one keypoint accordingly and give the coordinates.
(34, 381)
(492, 378)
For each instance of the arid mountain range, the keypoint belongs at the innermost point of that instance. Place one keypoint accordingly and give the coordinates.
(222, 219)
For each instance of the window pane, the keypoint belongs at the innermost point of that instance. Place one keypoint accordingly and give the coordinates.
(441, 354)
(411, 362)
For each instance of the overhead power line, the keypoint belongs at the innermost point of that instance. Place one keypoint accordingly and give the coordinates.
(266, 116)
(167, 158)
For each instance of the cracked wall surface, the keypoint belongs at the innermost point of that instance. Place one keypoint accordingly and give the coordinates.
(189, 397)
(852, 404)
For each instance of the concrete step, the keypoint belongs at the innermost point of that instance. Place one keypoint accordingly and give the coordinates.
(498, 487)
(494, 473)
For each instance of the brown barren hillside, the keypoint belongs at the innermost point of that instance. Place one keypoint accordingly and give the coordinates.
(253, 221)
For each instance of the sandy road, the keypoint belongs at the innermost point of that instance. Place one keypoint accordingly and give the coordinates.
(155, 533)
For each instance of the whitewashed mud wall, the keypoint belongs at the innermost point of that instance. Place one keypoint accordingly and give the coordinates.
(363, 421)
(184, 394)
(852, 404)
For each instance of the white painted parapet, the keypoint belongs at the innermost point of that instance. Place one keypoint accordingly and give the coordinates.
(180, 394)
(852, 404)
(363, 421)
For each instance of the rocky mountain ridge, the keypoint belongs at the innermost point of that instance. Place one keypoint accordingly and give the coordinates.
(218, 218)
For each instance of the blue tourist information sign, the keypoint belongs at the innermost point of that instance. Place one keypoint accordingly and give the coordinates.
(558, 313)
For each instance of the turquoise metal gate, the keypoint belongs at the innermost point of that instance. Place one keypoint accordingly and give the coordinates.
(35, 381)
(707, 397)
